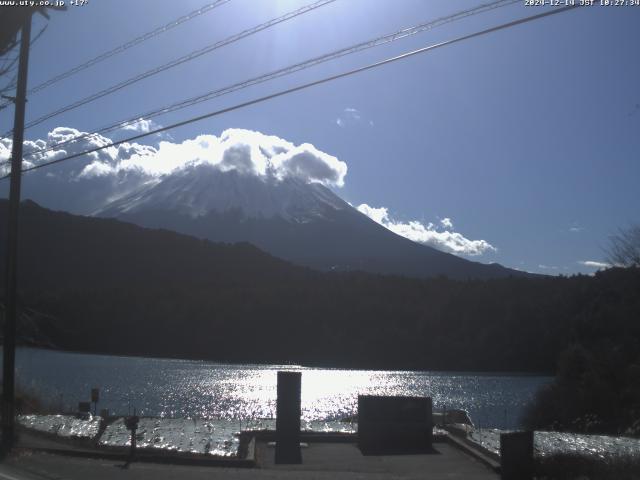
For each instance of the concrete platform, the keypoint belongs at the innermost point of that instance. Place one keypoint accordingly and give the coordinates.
(344, 460)
(323, 461)
(325, 458)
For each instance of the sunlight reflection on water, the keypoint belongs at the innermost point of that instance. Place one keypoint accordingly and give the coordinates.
(194, 389)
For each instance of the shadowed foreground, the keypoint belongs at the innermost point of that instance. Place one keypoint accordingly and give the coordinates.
(320, 461)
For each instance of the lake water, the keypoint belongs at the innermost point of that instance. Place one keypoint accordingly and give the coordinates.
(169, 388)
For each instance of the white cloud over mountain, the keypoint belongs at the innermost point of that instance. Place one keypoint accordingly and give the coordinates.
(444, 238)
(446, 223)
(86, 183)
(246, 151)
(594, 264)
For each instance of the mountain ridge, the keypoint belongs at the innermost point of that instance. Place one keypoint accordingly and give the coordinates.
(304, 223)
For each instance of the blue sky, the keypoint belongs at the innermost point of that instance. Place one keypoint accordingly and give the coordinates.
(525, 138)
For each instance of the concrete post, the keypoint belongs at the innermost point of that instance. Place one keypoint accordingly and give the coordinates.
(516, 455)
(288, 418)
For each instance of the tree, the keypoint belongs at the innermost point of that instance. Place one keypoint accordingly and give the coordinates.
(624, 247)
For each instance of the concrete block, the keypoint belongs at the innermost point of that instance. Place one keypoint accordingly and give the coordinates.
(394, 425)
(516, 455)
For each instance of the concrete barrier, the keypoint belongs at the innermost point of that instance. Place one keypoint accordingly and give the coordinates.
(394, 425)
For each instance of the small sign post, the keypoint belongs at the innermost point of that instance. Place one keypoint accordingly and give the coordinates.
(132, 424)
(95, 398)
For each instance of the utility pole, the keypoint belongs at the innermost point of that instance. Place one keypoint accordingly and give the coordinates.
(9, 348)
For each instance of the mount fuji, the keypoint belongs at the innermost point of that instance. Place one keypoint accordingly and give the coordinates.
(305, 223)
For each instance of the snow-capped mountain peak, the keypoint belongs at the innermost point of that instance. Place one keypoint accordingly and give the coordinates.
(202, 189)
(287, 216)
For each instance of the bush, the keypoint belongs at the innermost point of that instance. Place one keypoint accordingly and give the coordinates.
(596, 390)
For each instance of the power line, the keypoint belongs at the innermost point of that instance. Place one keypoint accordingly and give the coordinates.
(125, 46)
(14, 80)
(181, 60)
(130, 44)
(10, 64)
(381, 40)
(304, 86)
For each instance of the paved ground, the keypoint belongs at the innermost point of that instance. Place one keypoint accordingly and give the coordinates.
(322, 461)
(344, 460)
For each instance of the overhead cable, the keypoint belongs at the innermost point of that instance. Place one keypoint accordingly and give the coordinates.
(179, 61)
(374, 42)
(125, 46)
(304, 86)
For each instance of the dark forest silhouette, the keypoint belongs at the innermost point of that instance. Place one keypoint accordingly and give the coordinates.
(101, 285)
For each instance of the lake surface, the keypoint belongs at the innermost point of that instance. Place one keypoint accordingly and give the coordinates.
(169, 388)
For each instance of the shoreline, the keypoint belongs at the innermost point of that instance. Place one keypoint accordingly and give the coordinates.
(612, 453)
(285, 366)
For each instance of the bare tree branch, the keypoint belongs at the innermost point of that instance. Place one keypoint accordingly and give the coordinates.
(624, 247)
